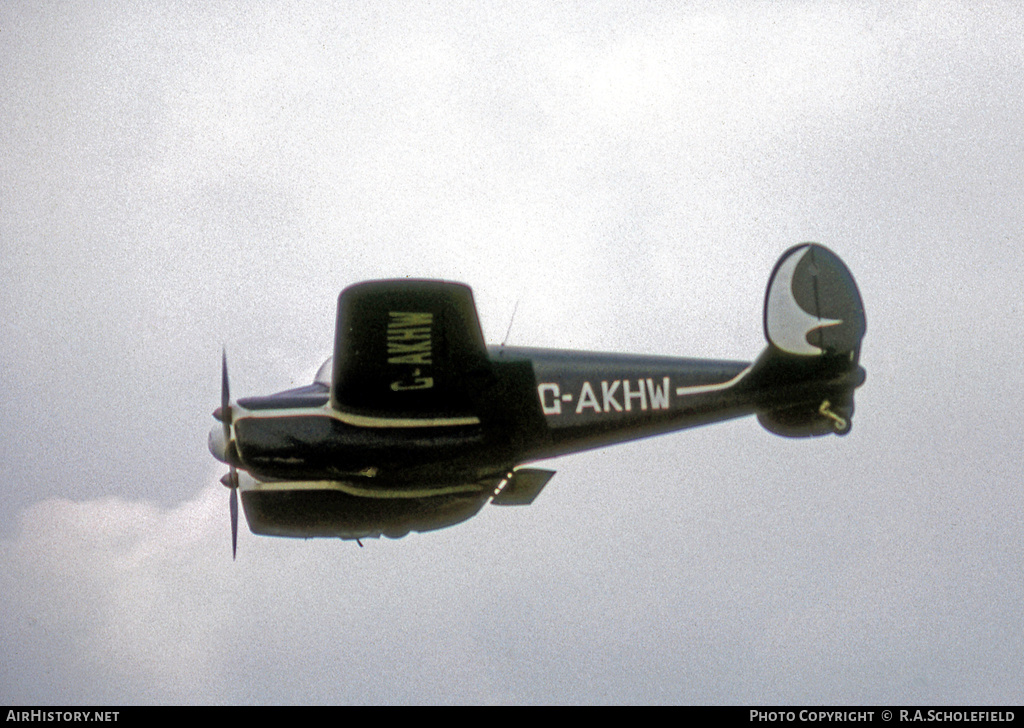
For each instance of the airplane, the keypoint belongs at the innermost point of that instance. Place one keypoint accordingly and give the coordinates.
(414, 424)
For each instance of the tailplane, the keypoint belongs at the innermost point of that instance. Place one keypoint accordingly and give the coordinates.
(814, 323)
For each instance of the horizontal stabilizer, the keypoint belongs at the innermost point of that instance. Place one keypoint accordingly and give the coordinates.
(523, 486)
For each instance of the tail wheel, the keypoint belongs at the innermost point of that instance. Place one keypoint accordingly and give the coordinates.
(840, 425)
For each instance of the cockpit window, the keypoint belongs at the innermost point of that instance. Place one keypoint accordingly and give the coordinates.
(323, 374)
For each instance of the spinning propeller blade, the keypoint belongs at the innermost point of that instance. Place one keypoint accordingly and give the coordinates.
(234, 521)
(230, 480)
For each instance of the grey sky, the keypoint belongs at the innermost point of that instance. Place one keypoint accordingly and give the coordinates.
(177, 177)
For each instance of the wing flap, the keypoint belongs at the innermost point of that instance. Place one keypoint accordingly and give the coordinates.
(523, 486)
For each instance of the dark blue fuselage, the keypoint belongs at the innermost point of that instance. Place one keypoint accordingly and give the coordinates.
(541, 403)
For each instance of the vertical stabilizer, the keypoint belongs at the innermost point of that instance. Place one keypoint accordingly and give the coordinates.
(814, 323)
(812, 306)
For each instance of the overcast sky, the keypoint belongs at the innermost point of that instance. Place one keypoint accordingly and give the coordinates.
(177, 177)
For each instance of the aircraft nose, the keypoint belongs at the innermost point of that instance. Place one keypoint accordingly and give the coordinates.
(217, 444)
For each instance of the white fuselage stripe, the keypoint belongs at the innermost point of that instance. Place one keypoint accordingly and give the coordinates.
(352, 419)
(704, 388)
(259, 486)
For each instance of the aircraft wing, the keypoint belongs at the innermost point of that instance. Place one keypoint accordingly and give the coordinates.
(408, 353)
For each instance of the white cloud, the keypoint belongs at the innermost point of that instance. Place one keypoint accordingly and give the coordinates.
(129, 587)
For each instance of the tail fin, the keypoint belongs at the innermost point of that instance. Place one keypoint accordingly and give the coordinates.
(814, 322)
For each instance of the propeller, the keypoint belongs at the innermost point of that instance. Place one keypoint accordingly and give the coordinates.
(223, 414)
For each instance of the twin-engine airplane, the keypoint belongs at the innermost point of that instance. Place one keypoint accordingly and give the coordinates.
(414, 424)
